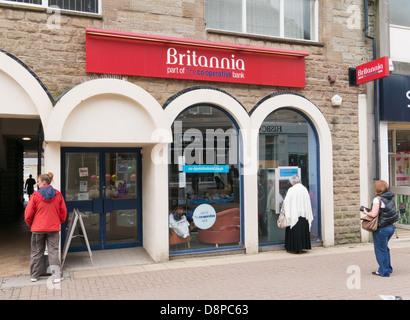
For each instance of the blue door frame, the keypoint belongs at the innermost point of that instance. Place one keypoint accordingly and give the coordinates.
(103, 205)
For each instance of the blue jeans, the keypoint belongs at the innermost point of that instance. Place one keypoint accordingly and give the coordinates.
(381, 238)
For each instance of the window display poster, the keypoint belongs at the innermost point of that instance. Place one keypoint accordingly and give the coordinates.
(126, 218)
(402, 170)
(83, 196)
(182, 180)
(83, 186)
(83, 172)
(288, 172)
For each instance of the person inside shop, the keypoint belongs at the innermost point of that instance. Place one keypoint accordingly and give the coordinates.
(219, 182)
(298, 210)
(29, 186)
(195, 183)
(45, 212)
(271, 202)
(178, 222)
(384, 207)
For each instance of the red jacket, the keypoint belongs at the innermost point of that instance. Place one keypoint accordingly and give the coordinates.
(46, 210)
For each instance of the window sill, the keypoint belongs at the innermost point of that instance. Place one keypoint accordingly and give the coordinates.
(269, 38)
(27, 7)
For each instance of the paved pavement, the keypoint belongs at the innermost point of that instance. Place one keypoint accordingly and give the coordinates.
(335, 273)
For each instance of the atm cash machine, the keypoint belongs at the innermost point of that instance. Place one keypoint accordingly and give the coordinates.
(280, 178)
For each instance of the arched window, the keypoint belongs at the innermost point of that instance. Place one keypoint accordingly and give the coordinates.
(204, 181)
(288, 145)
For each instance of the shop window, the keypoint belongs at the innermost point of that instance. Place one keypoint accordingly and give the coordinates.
(89, 6)
(204, 182)
(295, 19)
(399, 11)
(287, 145)
(399, 159)
(399, 153)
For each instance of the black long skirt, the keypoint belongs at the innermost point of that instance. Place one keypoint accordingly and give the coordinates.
(298, 238)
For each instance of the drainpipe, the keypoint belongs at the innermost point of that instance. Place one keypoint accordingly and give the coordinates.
(375, 93)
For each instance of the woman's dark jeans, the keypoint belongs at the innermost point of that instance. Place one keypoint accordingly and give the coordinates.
(381, 238)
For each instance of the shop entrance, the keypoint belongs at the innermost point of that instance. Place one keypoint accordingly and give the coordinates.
(104, 184)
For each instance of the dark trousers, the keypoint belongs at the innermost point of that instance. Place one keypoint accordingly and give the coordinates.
(38, 246)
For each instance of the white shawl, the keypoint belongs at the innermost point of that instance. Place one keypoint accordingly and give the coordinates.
(271, 204)
(297, 204)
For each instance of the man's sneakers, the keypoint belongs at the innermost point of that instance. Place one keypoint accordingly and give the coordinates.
(55, 280)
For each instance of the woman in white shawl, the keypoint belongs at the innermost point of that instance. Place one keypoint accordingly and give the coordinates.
(298, 210)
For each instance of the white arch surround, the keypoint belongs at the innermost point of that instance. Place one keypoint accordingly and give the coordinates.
(107, 111)
(319, 122)
(22, 95)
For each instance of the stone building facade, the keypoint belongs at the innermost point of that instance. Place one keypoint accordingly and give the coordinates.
(51, 43)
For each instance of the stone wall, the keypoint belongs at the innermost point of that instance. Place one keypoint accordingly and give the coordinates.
(53, 47)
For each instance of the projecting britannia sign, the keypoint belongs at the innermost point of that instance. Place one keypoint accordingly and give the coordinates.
(114, 52)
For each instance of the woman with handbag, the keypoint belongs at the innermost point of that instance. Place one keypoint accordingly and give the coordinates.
(384, 208)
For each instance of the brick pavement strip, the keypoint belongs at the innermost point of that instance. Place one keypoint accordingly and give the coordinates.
(336, 273)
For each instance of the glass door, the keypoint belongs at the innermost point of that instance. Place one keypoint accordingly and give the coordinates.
(287, 143)
(105, 185)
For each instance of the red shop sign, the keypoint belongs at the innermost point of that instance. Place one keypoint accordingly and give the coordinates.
(122, 53)
(372, 70)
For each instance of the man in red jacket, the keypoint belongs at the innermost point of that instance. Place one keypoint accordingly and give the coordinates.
(45, 212)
